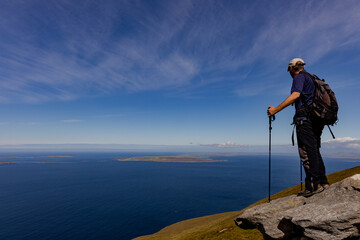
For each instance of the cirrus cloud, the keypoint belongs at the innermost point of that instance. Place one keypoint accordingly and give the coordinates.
(63, 51)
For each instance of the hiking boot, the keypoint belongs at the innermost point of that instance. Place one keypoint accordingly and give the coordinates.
(318, 190)
(303, 192)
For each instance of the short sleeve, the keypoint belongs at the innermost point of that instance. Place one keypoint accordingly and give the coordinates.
(298, 83)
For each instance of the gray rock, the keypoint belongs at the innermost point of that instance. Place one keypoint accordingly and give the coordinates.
(332, 214)
(267, 215)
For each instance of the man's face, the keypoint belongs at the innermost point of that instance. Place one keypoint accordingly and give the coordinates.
(291, 71)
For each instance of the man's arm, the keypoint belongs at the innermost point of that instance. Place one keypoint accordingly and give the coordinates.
(289, 100)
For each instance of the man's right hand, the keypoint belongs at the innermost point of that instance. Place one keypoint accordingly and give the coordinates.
(271, 111)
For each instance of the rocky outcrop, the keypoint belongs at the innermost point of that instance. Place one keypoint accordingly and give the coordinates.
(329, 215)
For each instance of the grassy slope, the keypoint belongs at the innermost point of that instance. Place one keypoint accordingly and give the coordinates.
(221, 226)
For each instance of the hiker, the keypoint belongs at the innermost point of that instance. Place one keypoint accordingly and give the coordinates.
(308, 129)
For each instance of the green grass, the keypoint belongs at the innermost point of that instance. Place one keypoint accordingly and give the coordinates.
(221, 226)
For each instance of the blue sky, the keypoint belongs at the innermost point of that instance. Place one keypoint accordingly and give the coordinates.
(169, 72)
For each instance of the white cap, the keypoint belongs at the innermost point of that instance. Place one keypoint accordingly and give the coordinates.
(296, 62)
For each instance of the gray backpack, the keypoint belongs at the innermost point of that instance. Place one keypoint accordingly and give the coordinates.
(324, 107)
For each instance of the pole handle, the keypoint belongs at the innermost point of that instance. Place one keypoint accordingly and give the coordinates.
(271, 118)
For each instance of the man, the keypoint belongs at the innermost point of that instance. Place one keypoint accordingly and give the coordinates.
(308, 130)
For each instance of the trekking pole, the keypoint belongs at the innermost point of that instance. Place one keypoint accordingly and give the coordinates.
(293, 143)
(271, 118)
(301, 176)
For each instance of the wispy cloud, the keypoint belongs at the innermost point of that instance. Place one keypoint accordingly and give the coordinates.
(111, 115)
(62, 51)
(71, 121)
(251, 90)
(228, 144)
(311, 30)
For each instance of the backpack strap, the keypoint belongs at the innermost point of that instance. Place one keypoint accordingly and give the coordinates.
(292, 137)
(309, 74)
(331, 132)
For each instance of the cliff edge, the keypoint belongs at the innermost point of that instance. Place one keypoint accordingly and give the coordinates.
(333, 214)
(222, 227)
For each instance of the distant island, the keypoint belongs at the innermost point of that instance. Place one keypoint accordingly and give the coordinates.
(177, 159)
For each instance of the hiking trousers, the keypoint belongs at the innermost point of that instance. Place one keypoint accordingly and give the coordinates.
(308, 134)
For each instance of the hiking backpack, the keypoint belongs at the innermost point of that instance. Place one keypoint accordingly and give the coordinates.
(324, 106)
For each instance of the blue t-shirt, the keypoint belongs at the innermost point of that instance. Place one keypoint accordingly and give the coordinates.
(303, 84)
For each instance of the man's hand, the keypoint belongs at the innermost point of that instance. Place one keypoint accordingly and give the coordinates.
(271, 111)
(289, 100)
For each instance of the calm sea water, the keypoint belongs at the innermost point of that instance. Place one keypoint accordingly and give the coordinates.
(91, 196)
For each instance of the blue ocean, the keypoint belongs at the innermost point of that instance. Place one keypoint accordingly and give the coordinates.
(92, 196)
